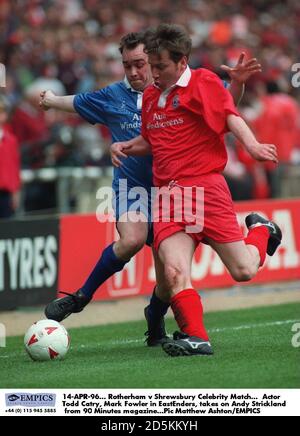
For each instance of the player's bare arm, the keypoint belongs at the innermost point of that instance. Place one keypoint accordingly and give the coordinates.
(239, 75)
(51, 101)
(260, 152)
(135, 147)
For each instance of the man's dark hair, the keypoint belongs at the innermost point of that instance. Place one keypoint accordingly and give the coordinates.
(131, 41)
(170, 37)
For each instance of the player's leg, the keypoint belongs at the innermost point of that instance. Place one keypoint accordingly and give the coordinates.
(176, 253)
(133, 235)
(242, 261)
(243, 258)
(162, 290)
(158, 307)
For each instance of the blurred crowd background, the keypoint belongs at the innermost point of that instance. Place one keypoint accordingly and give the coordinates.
(71, 46)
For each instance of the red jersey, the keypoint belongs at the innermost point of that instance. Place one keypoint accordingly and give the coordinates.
(9, 162)
(185, 126)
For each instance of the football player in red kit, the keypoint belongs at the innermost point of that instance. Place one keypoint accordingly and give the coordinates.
(184, 118)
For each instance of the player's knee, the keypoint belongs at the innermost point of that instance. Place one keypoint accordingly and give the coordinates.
(175, 276)
(133, 243)
(242, 274)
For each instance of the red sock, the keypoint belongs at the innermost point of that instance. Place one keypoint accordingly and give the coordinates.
(259, 237)
(188, 312)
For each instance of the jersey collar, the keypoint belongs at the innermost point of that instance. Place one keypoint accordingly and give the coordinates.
(139, 93)
(183, 82)
(128, 86)
(185, 78)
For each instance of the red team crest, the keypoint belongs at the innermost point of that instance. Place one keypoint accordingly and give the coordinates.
(176, 101)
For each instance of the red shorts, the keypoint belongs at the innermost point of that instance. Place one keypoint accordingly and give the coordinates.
(219, 220)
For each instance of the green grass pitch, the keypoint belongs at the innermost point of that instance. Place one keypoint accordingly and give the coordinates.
(253, 349)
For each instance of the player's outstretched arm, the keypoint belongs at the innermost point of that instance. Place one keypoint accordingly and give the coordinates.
(135, 147)
(51, 101)
(239, 75)
(261, 152)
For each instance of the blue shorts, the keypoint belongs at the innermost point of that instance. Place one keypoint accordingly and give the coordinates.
(133, 199)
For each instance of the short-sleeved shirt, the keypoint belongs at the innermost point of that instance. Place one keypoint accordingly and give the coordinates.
(185, 126)
(118, 107)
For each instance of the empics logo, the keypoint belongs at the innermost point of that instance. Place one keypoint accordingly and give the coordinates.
(2, 76)
(296, 337)
(13, 397)
(30, 400)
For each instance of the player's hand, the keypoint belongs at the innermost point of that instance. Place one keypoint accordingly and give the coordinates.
(45, 101)
(117, 150)
(264, 152)
(243, 70)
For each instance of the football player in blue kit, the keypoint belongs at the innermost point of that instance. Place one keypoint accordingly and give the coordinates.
(118, 106)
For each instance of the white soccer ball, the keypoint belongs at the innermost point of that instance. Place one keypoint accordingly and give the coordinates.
(47, 340)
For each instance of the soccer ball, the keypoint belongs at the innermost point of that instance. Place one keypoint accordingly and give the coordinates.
(47, 340)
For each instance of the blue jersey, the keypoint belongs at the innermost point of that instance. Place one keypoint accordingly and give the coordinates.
(118, 106)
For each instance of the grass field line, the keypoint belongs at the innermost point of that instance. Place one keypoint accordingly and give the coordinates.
(223, 329)
(213, 330)
(250, 326)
